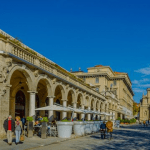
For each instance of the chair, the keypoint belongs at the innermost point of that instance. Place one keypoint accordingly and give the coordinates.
(53, 131)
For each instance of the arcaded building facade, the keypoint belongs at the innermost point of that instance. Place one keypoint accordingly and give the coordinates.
(115, 86)
(29, 80)
(145, 107)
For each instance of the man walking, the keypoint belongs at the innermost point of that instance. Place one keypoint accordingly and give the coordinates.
(103, 130)
(9, 126)
(109, 126)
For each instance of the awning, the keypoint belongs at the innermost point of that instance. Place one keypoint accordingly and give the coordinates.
(54, 107)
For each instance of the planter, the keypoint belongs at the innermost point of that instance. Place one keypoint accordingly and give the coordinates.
(87, 128)
(91, 125)
(79, 128)
(43, 130)
(64, 129)
(95, 126)
(30, 129)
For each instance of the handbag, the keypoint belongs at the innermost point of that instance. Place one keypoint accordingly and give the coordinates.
(21, 138)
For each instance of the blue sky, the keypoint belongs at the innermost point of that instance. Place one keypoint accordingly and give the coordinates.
(84, 33)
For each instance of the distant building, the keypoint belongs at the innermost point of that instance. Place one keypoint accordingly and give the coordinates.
(145, 107)
(116, 85)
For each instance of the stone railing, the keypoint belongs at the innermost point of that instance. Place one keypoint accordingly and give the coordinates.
(22, 51)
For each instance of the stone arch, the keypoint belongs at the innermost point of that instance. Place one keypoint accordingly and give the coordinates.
(79, 100)
(60, 90)
(20, 79)
(92, 103)
(98, 103)
(48, 85)
(87, 101)
(71, 96)
(26, 72)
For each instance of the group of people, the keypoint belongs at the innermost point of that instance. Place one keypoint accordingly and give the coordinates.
(11, 126)
(106, 126)
(146, 123)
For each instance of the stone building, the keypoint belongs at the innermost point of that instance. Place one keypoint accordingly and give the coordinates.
(115, 86)
(145, 107)
(29, 80)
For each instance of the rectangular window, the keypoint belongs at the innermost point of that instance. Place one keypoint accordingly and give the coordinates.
(97, 89)
(97, 80)
(115, 83)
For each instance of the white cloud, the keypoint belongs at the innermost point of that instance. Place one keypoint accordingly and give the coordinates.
(140, 81)
(138, 90)
(145, 71)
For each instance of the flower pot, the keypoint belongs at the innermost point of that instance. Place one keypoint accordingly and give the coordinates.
(64, 129)
(79, 127)
(30, 129)
(43, 130)
(95, 126)
(87, 128)
(91, 125)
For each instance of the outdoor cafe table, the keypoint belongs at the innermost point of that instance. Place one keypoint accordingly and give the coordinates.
(37, 126)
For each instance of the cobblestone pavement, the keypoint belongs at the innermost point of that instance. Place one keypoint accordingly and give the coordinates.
(134, 137)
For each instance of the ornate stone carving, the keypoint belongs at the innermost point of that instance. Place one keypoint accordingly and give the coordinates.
(4, 69)
(36, 73)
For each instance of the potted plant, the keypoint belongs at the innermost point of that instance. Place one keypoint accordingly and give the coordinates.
(87, 128)
(79, 127)
(91, 122)
(44, 127)
(30, 126)
(64, 128)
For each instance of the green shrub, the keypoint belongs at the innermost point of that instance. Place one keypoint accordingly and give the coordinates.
(45, 119)
(29, 119)
(65, 120)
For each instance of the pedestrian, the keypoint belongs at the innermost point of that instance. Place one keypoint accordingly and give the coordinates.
(23, 121)
(147, 123)
(144, 122)
(18, 129)
(103, 130)
(109, 126)
(9, 126)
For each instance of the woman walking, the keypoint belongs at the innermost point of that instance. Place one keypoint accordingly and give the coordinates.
(18, 129)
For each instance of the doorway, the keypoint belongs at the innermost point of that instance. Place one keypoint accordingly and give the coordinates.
(20, 104)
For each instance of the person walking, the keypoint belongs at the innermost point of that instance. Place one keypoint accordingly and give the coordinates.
(144, 123)
(103, 130)
(18, 129)
(109, 126)
(23, 121)
(9, 126)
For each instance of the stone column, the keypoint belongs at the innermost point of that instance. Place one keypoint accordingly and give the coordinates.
(120, 116)
(32, 104)
(75, 114)
(12, 107)
(89, 115)
(50, 112)
(98, 115)
(64, 114)
(94, 115)
(82, 115)
(102, 116)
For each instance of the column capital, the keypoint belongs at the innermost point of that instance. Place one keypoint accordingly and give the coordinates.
(32, 92)
(51, 96)
(64, 100)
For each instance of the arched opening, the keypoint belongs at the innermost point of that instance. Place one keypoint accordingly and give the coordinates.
(79, 103)
(92, 108)
(86, 106)
(58, 97)
(41, 97)
(19, 97)
(20, 104)
(70, 99)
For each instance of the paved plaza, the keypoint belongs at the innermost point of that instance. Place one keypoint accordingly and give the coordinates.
(127, 137)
